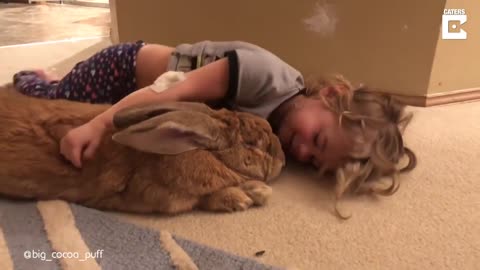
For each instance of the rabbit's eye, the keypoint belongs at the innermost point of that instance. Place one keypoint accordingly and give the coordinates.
(252, 144)
(253, 141)
(247, 161)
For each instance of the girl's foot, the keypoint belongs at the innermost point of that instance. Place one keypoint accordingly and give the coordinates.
(48, 77)
(35, 83)
(38, 73)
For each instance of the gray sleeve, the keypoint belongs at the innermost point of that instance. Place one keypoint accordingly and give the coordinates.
(260, 81)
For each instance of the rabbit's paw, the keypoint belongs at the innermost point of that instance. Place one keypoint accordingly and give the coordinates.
(229, 199)
(258, 191)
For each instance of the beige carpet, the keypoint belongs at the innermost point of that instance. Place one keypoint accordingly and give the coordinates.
(432, 222)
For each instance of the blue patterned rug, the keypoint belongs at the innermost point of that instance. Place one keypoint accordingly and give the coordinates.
(51, 235)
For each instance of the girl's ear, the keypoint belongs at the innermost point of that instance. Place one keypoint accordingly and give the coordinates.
(329, 92)
(332, 91)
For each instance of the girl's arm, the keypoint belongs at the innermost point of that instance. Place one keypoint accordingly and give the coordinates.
(208, 83)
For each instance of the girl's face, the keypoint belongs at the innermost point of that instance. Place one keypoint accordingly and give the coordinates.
(312, 134)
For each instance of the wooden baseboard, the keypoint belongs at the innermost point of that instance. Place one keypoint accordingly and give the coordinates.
(114, 36)
(86, 3)
(441, 98)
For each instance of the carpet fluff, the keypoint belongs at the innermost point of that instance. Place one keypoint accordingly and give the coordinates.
(430, 223)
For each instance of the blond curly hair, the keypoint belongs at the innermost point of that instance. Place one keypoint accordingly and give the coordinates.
(376, 122)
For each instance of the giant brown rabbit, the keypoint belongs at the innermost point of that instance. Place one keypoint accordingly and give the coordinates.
(167, 158)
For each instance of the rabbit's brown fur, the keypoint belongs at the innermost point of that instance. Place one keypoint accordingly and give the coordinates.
(227, 171)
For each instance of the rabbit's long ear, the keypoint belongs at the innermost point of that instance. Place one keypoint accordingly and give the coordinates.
(137, 114)
(173, 133)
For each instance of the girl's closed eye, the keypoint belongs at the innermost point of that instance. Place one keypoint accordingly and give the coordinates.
(316, 138)
(321, 142)
(317, 164)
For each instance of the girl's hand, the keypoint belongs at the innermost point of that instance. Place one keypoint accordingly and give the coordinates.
(82, 142)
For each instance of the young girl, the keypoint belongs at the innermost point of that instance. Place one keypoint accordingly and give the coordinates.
(239, 76)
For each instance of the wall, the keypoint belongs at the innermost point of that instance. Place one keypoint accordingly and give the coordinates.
(456, 66)
(386, 44)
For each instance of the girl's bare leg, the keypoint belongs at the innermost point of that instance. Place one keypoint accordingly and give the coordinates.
(152, 61)
(106, 77)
